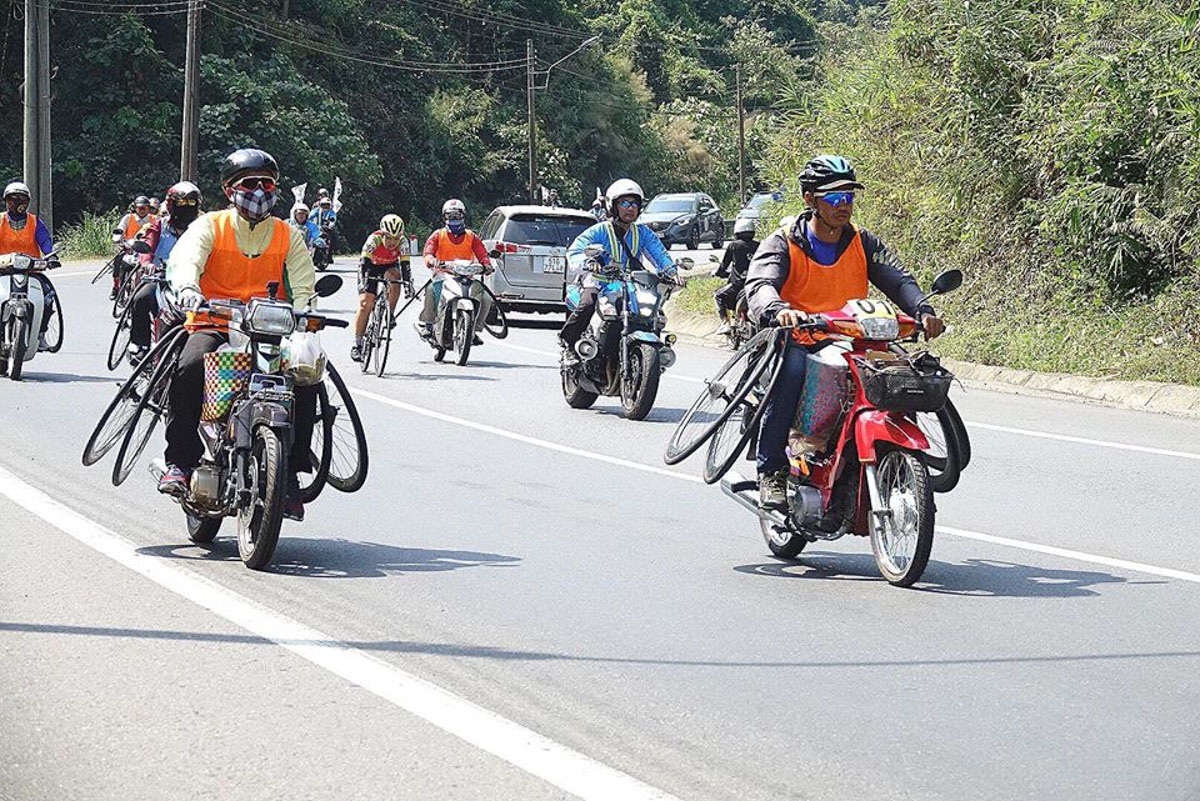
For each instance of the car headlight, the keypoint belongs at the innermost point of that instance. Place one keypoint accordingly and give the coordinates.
(271, 319)
(880, 327)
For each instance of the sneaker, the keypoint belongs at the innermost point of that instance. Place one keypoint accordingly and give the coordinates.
(43, 345)
(424, 331)
(477, 340)
(293, 506)
(724, 329)
(355, 353)
(569, 357)
(176, 482)
(135, 354)
(113, 295)
(772, 490)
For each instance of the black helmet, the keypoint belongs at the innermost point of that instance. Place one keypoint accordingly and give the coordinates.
(829, 174)
(248, 161)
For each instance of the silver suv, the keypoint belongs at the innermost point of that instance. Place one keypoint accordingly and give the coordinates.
(533, 240)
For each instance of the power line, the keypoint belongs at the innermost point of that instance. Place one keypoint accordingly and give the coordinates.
(499, 18)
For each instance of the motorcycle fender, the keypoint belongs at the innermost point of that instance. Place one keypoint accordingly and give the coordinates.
(647, 337)
(271, 415)
(871, 428)
(16, 309)
(466, 304)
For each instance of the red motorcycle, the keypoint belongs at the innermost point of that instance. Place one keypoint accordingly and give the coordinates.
(858, 456)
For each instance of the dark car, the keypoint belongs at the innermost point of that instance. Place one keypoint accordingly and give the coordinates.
(687, 218)
(533, 242)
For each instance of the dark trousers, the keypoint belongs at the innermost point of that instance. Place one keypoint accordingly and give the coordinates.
(184, 446)
(145, 308)
(727, 298)
(577, 321)
(780, 411)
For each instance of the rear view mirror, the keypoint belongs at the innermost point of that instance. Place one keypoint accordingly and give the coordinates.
(328, 285)
(947, 282)
(495, 254)
(141, 246)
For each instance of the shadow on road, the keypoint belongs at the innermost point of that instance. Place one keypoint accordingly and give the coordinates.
(988, 578)
(70, 378)
(339, 558)
(657, 414)
(436, 377)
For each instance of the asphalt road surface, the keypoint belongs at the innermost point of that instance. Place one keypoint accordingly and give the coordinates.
(523, 602)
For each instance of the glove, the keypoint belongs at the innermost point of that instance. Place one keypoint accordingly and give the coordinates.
(189, 299)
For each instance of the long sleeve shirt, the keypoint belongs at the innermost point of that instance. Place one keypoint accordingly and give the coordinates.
(772, 263)
(190, 256)
(736, 261)
(648, 246)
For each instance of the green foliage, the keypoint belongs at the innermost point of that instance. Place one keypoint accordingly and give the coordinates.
(89, 238)
(1051, 150)
(697, 296)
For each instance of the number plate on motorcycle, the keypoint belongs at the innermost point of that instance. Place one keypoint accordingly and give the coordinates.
(555, 264)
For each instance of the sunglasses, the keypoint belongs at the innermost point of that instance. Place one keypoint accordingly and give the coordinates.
(250, 183)
(186, 201)
(629, 204)
(836, 199)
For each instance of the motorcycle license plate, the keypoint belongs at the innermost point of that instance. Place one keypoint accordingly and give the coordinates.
(555, 264)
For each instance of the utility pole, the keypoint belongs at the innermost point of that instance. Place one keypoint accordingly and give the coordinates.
(37, 109)
(191, 79)
(529, 68)
(741, 115)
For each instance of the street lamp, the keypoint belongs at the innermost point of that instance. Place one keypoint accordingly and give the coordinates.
(530, 85)
(586, 44)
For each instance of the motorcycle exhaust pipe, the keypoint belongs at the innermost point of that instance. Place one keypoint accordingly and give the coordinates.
(744, 491)
(586, 349)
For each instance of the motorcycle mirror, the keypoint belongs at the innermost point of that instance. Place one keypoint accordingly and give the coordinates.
(328, 285)
(947, 282)
(687, 263)
(141, 246)
(495, 254)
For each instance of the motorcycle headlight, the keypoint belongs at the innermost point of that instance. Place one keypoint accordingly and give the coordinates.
(646, 302)
(880, 327)
(270, 319)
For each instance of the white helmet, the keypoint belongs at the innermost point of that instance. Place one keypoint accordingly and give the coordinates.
(744, 225)
(300, 207)
(17, 188)
(623, 188)
(453, 204)
(392, 225)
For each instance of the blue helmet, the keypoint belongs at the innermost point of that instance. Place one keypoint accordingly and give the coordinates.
(829, 174)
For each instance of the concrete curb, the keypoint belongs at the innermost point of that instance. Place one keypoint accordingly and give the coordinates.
(1146, 396)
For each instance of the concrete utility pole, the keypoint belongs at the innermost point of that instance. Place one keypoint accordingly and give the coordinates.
(37, 109)
(741, 115)
(188, 157)
(529, 68)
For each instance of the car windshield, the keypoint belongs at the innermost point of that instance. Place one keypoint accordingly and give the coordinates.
(669, 205)
(545, 229)
(758, 201)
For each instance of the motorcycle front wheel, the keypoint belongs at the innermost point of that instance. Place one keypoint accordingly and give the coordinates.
(464, 335)
(259, 523)
(640, 387)
(903, 539)
(18, 331)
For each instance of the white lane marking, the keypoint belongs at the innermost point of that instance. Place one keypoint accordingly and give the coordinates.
(540, 443)
(1067, 553)
(1084, 440)
(57, 274)
(1052, 550)
(1025, 432)
(540, 756)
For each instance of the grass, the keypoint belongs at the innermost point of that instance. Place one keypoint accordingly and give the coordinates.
(89, 238)
(697, 296)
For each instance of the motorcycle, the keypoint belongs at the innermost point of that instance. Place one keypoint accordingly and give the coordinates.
(457, 310)
(22, 305)
(244, 471)
(858, 456)
(155, 274)
(740, 326)
(625, 349)
(322, 253)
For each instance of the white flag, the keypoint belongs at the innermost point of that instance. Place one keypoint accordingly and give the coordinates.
(299, 191)
(337, 194)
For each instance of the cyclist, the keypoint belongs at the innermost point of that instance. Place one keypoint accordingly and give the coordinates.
(734, 264)
(183, 207)
(384, 256)
(21, 232)
(133, 223)
(819, 264)
(233, 254)
(453, 242)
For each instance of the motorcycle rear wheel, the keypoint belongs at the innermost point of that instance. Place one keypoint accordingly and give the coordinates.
(902, 544)
(783, 544)
(259, 524)
(576, 396)
(640, 388)
(202, 530)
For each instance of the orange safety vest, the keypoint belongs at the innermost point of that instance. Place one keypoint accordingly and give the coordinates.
(133, 226)
(813, 287)
(229, 274)
(23, 241)
(447, 250)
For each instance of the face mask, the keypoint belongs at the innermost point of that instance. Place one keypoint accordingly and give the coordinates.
(254, 206)
(456, 226)
(17, 207)
(183, 216)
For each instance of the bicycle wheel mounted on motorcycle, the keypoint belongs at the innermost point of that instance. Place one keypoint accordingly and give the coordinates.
(349, 460)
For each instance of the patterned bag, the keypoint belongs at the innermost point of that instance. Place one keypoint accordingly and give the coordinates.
(226, 373)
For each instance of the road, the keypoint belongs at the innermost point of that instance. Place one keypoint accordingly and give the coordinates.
(523, 602)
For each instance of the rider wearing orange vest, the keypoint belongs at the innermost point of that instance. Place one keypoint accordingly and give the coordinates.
(817, 265)
(21, 232)
(233, 254)
(454, 242)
